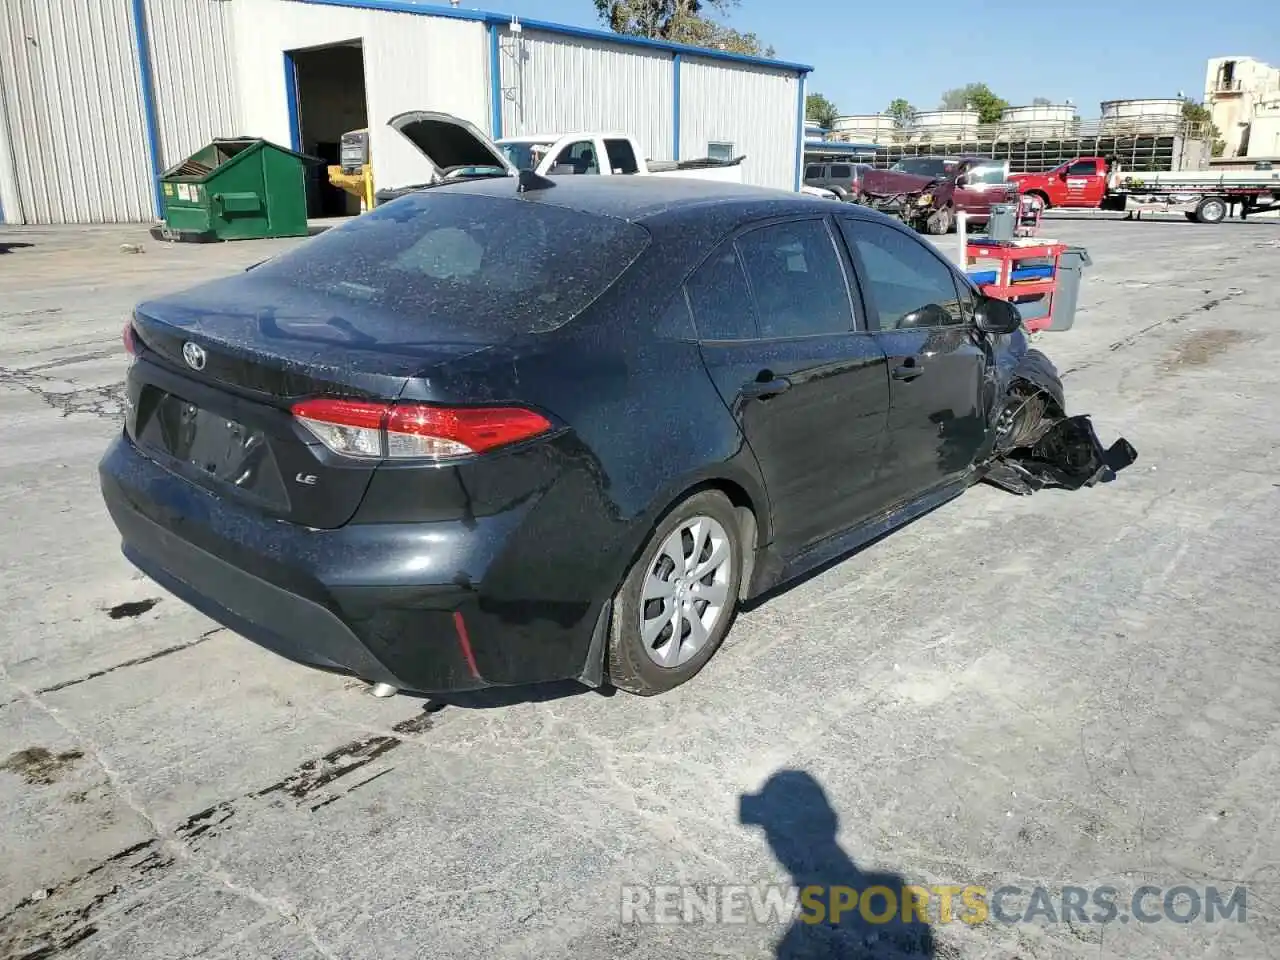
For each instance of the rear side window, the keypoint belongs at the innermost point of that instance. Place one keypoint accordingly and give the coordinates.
(463, 266)
(813, 172)
(622, 159)
(797, 280)
(720, 299)
(904, 277)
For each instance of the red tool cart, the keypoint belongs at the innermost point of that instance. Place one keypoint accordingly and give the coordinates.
(1026, 273)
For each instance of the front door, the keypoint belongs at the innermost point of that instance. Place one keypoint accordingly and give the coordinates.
(984, 185)
(1084, 184)
(808, 388)
(936, 364)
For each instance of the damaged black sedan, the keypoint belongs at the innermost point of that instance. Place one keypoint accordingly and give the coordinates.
(506, 431)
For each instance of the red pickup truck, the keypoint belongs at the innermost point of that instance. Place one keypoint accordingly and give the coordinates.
(1081, 182)
(1208, 196)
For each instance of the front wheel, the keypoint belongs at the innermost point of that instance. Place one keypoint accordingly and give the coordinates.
(678, 600)
(939, 222)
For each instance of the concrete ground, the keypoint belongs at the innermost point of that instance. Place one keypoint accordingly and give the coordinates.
(1068, 689)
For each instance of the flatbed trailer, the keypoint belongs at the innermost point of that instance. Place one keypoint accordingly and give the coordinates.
(1215, 195)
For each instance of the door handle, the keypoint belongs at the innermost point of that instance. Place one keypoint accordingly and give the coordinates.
(909, 370)
(764, 389)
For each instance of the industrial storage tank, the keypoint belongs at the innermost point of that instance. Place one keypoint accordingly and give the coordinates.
(1141, 116)
(865, 128)
(939, 125)
(1038, 120)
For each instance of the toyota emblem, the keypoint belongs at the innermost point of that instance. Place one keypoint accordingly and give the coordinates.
(194, 354)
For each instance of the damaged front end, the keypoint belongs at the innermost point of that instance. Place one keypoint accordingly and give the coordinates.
(913, 208)
(1035, 445)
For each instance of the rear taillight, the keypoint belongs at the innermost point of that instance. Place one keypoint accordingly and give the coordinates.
(130, 339)
(415, 431)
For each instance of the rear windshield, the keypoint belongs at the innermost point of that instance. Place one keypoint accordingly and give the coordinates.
(468, 266)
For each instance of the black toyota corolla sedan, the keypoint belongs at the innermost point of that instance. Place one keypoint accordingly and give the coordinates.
(518, 429)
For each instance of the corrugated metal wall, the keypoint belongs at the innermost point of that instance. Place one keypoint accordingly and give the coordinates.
(411, 62)
(193, 73)
(755, 109)
(75, 112)
(557, 84)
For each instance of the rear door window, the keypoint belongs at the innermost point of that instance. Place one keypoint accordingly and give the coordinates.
(458, 265)
(797, 280)
(904, 276)
(841, 171)
(622, 158)
(720, 298)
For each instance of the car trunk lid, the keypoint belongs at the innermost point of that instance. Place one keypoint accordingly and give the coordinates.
(227, 362)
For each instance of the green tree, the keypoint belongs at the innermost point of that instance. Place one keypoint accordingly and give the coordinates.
(680, 21)
(1199, 120)
(903, 113)
(820, 110)
(975, 96)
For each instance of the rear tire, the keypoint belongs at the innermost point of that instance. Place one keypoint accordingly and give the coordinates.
(1212, 210)
(662, 593)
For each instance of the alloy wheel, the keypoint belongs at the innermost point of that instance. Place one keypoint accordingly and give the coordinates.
(685, 591)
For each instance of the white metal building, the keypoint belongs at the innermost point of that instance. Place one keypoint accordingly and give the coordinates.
(99, 97)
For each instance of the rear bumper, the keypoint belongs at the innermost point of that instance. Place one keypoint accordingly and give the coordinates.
(402, 604)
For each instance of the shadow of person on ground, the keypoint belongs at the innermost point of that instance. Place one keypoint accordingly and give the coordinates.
(801, 827)
(6, 246)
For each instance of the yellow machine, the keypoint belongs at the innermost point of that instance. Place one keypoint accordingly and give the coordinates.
(354, 171)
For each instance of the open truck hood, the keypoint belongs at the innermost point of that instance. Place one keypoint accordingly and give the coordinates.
(891, 183)
(449, 142)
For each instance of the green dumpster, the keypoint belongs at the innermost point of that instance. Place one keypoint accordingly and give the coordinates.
(236, 189)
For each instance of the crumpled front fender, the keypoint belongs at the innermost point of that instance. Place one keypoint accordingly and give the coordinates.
(1034, 444)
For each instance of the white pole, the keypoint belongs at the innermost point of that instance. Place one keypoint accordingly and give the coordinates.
(962, 231)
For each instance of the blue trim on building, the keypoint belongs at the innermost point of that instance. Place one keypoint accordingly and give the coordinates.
(291, 102)
(146, 82)
(675, 98)
(495, 81)
(583, 33)
(799, 132)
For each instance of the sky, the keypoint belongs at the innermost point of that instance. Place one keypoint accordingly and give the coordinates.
(865, 54)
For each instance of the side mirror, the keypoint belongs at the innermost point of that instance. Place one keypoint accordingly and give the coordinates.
(997, 316)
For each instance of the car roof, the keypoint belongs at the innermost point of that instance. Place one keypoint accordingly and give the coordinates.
(646, 198)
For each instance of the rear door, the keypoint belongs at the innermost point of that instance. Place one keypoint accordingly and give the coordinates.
(806, 382)
(936, 366)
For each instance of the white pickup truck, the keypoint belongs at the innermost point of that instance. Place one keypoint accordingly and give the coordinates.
(607, 154)
(454, 148)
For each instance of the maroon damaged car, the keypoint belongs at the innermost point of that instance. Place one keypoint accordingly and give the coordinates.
(928, 192)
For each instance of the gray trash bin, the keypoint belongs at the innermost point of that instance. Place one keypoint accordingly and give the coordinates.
(1070, 267)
